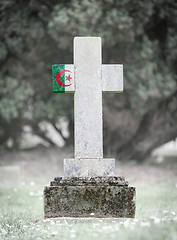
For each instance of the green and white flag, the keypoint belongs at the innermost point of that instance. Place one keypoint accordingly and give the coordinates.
(63, 78)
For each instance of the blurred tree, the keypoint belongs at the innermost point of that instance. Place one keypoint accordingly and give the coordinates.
(141, 35)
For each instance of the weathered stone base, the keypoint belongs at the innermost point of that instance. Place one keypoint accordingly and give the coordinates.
(92, 197)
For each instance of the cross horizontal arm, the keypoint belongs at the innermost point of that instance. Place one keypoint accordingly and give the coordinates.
(63, 78)
(112, 78)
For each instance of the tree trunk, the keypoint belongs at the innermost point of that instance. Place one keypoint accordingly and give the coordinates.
(156, 127)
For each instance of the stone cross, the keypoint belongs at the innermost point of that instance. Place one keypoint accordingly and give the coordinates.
(88, 78)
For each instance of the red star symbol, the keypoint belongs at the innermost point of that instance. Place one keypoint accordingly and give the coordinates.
(68, 78)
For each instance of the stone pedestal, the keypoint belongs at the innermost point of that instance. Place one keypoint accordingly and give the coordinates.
(89, 197)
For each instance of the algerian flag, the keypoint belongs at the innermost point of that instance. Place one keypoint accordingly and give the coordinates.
(63, 78)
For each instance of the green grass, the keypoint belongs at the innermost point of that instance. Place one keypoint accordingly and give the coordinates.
(21, 216)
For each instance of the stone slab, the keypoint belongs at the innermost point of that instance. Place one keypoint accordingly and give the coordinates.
(88, 167)
(89, 201)
(93, 181)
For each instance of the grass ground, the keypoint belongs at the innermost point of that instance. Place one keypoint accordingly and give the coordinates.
(21, 209)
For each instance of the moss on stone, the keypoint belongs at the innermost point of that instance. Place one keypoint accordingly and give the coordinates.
(81, 201)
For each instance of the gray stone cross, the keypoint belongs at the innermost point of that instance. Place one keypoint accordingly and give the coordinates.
(91, 78)
(89, 187)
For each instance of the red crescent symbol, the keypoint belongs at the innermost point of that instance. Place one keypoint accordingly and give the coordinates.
(58, 78)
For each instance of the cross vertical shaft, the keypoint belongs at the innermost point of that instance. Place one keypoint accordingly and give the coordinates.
(91, 78)
(88, 98)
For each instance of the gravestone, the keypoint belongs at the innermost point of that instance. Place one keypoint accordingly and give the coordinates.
(89, 186)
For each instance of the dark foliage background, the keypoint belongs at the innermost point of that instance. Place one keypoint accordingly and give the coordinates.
(139, 34)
